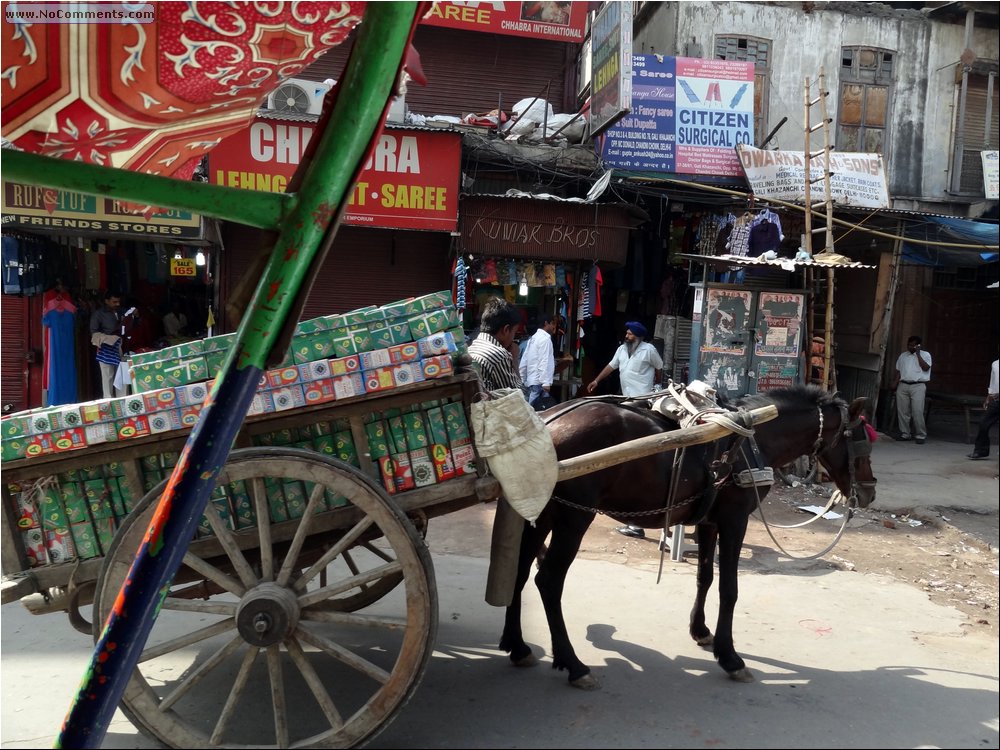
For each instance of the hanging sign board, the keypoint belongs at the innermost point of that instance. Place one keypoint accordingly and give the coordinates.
(857, 179)
(65, 212)
(687, 115)
(558, 21)
(410, 182)
(610, 66)
(991, 174)
(185, 267)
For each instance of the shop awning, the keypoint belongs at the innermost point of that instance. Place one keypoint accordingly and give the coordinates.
(948, 229)
(787, 264)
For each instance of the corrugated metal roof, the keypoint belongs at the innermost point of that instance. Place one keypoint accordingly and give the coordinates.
(787, 264)
(270, 114)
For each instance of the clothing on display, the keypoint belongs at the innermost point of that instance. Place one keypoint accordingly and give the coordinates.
(60, 379)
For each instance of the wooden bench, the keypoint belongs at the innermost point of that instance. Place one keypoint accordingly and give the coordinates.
(970, 405)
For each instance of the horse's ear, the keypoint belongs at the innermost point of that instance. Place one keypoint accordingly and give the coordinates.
(858, 406)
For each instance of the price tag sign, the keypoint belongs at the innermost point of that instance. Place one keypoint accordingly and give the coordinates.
(183, 267)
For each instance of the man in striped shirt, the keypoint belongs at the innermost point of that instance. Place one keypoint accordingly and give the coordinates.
(492, 350)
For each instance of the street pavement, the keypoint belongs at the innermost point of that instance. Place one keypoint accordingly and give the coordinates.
(841, 659)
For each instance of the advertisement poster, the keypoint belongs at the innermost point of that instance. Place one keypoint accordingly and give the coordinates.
(687, 117)
(991, 174)
(777, 372)
(610, 66)
(857, 179)
(724, 372)
(779, 324)
(726, 321)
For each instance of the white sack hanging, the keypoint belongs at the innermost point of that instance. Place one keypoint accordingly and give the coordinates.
(516, 444)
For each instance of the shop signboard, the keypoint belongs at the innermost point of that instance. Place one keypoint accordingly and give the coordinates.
(991, 174)
(856, 179)
(183, 267)
(556, 21)
(410, 182)
(66, 212)
(610, 66)
(687, 116)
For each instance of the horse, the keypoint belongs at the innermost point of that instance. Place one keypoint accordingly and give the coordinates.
(810, 421)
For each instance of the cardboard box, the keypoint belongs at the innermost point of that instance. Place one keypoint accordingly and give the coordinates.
(34, 547)
(459, 335)
(193, 394)
(15, 426)
(345, 365)
(85, 540)
(164, 421)
(37, 445)
(400, 353)
(215, 361)
(407, 373)
(128, 406)
(98, 494)
(318, 391)
(344, 447)
(96, 412)
(244, 515)
(439, 366)
(433, 301)
(384, 333)
(68, 417)
(165, 398)
(312, 325)
(379, 379)
(11, 449)
(59, 544)
(278, 437)
(309, 347)
(219, 343)
(442, 342)
(374, 359)
(425, 323)
(104, 529)
(133, 427)
(169, 459)
(387, 474)
(43, 421)
(169, 373)
(318, 370)
(296, 498)
(263, 403)
(74, 502)
(282, 377)
(440, 446)
(189, 415)
(126, 498)
(343, 343)
(275, 499)
(102, 432)
(459, 438)
(69, 440)
(290, 397)
(27, 512)
(347, 386)
(357, 317)
(51, 510)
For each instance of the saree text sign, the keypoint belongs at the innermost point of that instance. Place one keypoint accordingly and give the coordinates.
(687, 116)
(410, 182)
(558, 21)
(857, 179)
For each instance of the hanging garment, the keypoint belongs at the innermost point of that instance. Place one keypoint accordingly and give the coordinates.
(489, 272)
(561, 276)
(739, 239)
(583, 310)
(549, 274)
(594, 282)
(459, 272)
(531, 274)
(764, 236)
(510, 270)
(60, 323)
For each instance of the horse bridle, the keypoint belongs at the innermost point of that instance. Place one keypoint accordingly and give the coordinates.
(855, 448)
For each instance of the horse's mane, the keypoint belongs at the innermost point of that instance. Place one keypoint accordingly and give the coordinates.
(795, 397)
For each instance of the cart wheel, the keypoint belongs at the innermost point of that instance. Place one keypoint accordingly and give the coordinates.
(250, 650)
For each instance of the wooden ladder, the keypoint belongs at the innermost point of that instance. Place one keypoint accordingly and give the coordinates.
(819, 282)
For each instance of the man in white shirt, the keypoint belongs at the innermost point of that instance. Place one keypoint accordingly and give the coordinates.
(638, 363)
(913, 371)
(992, 415)
(538, 362)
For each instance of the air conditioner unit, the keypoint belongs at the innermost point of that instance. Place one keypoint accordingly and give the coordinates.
(298, 96)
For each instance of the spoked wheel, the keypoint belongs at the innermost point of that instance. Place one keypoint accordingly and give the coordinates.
(258, 641)
(800, 471)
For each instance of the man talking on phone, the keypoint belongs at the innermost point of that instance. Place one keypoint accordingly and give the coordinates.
(913, 371)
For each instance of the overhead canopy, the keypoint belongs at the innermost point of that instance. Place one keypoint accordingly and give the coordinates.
(154, 95)
(947, 229)
(788, 264)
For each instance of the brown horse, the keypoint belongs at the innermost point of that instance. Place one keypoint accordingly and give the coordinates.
(810, 422)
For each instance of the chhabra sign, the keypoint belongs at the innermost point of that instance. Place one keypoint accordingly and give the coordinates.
(410, 181)
(857, 179)
(687, 115)
(558, 21)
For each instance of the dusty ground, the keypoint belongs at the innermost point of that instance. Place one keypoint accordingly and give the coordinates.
(951, 557)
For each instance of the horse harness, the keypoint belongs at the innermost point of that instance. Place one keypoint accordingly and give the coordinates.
(855, 448)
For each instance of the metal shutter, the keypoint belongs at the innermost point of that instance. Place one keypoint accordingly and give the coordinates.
(13, 324)
(976, 139)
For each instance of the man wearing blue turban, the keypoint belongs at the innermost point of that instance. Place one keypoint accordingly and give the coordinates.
(638, 363)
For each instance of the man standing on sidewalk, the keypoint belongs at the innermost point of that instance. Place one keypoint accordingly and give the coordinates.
(538, 363)
(991, 416)
(913, 371)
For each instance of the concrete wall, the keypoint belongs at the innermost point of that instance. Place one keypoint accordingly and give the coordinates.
(924, 89)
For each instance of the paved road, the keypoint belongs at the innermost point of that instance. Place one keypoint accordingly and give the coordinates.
(842, 660)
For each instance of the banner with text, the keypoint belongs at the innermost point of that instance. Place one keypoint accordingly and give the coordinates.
(411, 181)
(991, 174)
(558, 21)
(857, 179)
(687, 116)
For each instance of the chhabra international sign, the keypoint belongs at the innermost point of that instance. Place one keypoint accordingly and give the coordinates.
(687, 115)
(857, 179)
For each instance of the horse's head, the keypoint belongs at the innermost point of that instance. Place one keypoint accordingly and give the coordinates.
(845, 451)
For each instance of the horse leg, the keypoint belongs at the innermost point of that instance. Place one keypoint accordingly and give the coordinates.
(550, 580)
(512, 639)
(708, 536)
(732, 530)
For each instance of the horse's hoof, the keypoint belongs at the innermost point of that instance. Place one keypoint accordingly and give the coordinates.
(526, 661)
(587, 682)
(741, 675)
(706, 641)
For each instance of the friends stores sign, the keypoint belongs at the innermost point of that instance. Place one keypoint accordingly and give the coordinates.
(410, 182)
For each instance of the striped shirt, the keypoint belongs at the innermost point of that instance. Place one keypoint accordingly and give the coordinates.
(494, 364)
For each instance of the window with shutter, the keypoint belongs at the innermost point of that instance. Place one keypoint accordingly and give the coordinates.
(865, 99)
(980, 131)
(757, 51)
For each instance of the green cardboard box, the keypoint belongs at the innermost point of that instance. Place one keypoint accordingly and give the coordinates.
(308, 347)
(85, 540)
(275, 499)
(219, 343)
(345, 448)
(105, 530)
(378, 439)
(312, 325)
(295, 498)
(169, 373)
(15, 426)
(98, 494)
(242, 504)
(51, 510)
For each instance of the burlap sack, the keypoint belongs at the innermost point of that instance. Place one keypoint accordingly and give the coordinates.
(512, 438)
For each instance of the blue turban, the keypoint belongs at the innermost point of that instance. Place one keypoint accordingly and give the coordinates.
(637, 329)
